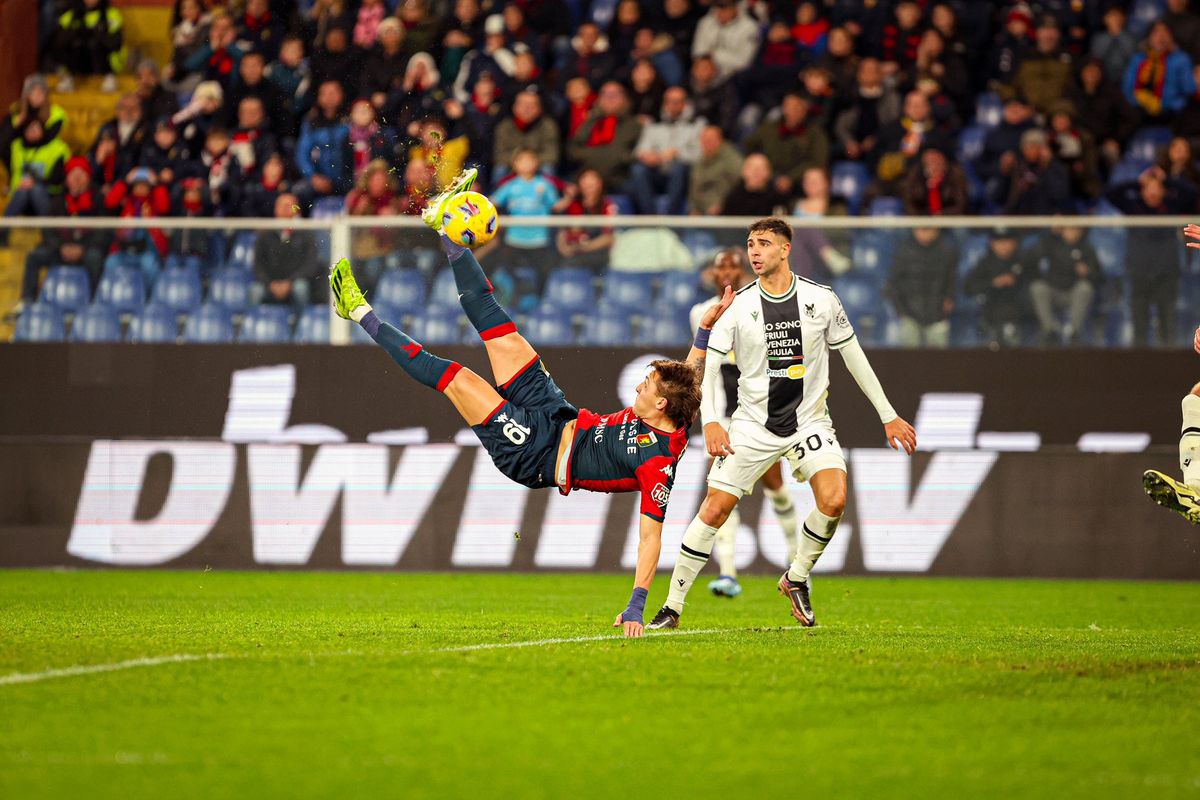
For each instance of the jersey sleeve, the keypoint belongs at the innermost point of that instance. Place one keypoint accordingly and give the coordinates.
(839, 332)
(655, 479)
(721, 338)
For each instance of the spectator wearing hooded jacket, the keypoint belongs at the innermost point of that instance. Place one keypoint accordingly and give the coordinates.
(665, 153)
(323, 153)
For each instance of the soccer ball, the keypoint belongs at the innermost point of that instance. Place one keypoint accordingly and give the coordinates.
(470, 220)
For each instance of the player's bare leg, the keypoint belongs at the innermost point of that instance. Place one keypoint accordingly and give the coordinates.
(829, 490)
(1182, 497)
(694, 553)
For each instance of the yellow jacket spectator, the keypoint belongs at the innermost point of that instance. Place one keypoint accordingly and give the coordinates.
(90, 41)
(447, 157)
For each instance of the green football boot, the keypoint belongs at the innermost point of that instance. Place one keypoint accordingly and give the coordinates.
(436, 210)
(1170, 493)
(346, 294)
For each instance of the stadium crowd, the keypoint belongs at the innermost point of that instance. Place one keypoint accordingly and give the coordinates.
(916, 107)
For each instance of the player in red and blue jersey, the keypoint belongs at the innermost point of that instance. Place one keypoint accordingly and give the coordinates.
(534, 436)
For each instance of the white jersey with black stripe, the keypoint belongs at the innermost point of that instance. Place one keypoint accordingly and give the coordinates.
(781, 346)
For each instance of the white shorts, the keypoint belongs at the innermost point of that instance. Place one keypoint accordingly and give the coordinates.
(808, 451)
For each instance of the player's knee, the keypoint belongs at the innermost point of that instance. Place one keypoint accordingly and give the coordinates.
(716, 508)
(832, 503)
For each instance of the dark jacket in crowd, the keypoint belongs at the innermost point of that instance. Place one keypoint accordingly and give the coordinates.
(284, 255)
(1153, 253)
(1053, 259)
(923, 278)
(1000, 304)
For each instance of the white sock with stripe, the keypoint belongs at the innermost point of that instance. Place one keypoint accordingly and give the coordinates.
(726, 547)
(785, 512)
(693, 555)
(818, 530)
(1189, 442)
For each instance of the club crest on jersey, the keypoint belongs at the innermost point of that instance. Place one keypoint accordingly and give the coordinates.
(810, 309)
(660, 494)
(646, 439)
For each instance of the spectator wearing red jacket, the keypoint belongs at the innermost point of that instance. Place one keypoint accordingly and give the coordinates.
(139, 195)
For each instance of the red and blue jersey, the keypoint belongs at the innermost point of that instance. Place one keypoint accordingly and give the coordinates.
(619, 452)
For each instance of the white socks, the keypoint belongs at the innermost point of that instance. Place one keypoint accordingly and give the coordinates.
(693, 555)
(1189, 442)
(785, 512)
(726, 548)
(357, 315)
(818, 530)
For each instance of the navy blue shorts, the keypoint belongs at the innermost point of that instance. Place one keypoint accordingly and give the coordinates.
(522, 434)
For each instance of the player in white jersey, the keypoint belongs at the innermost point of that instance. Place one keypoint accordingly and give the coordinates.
(1183, 497)
(729, 268)
(781, 329)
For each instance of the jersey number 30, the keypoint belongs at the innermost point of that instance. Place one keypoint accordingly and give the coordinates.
(515, 432)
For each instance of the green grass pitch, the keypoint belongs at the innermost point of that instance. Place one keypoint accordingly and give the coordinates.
(332, 685)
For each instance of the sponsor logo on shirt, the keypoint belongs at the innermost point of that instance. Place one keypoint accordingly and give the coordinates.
(660, 494)
(794, 372)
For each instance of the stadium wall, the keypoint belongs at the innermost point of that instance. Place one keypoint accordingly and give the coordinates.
(325, 457)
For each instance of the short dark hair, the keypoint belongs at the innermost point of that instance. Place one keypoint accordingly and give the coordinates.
(679, 383)
(773, 225)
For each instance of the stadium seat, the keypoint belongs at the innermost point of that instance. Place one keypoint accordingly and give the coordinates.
(1110, 246)
(1143, 14)
(439, 326)
(328, 207)
(989, 110)
(680, 290)
(700, 243)
(1128, 170)
(40, 322)
(1145, 144)
(871, 253)
(631, 290)
(66, 288)
(313, 326)
(970, 251)
(970, 143)
(569, 290)
(848, 180)
(241, 252)
(178, 289)
(665, 330)
(191, 263)
(230, 288)
(860, 296)
(624, 204)
(549, 327)
(265, 324)
(123, 289)
(403, 289)
(445, 291)
(886, 207)
(209, 324)
(154, 324)
(96, 323)
(608, 328)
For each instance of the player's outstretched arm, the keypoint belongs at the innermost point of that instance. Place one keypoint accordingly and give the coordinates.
(900, 435)
(649, 547)
(700, 345)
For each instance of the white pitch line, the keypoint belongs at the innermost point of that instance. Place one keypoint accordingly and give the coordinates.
(577, 639)
(68, 672)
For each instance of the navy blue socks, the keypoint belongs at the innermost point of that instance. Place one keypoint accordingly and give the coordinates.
(476, 294)
(423, 366)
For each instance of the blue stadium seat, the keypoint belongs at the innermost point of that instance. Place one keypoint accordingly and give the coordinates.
(178, 289)
(96, 323)
(970, 143)
(313, 326)
(848, 180)
(871, 253)
(403, 289)
(1128, 170)
(989, 110)
(886, 207)
(665, 330)
(607, 328)
(860, 296)
(445, 292)
(230, 288)
(66, 288)
(624, 204)
(265, 324)
(208, 324)
(1145, 144)
(1110, 246)
(241, 252)
(548, 327)
(680, 289)
(122, 288)
(631, 290)
(700, 243)
(327, 207)
(40, 322)
(1143, 14)
(439, 326)
(569, 290)
(189, 262)
(154, 324)
(970, 251)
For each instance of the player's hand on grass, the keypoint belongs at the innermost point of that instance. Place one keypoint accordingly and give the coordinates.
(899, 435)
(1193, 232)
(713, 314)
(633, 627)
(716, 440)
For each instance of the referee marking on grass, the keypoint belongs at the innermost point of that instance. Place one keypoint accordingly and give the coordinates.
(69, 672)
